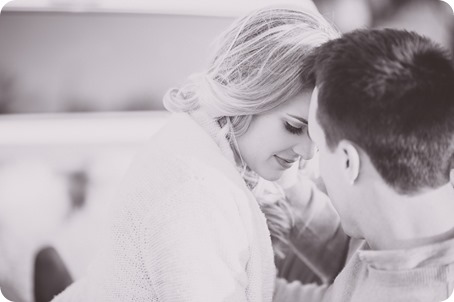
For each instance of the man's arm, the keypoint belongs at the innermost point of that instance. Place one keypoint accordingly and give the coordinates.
(297, 292)
(316, 237)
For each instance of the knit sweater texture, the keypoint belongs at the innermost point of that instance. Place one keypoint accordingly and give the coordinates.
(421, 274)
(185, 226)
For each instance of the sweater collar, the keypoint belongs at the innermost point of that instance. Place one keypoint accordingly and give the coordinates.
(213, 129)
(201, 140)
(220, 136)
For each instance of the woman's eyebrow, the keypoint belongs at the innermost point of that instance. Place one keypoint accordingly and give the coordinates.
(302, 120)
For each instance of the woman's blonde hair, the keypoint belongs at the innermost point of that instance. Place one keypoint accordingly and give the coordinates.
(257, 66)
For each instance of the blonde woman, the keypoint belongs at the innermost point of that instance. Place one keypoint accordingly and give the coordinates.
(187, 227)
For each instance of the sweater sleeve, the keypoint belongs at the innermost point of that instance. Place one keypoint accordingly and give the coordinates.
(195, 248)
(317, 237)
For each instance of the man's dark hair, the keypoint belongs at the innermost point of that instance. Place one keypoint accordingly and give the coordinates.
(391, 92)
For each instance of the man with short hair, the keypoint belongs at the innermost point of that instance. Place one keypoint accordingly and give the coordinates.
(382, 116)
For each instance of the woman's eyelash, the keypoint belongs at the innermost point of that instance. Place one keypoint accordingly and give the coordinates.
(292, 129)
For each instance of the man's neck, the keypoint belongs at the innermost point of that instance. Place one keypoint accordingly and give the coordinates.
(411, 221)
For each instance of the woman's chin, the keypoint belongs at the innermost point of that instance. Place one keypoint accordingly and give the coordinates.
(270, 175)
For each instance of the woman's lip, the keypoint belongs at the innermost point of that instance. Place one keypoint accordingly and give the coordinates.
(283, 162)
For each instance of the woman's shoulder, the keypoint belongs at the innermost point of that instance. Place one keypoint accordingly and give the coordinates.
(173, 164)
(155, 175)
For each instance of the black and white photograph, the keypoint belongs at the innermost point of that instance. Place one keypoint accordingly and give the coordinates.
(227, 151)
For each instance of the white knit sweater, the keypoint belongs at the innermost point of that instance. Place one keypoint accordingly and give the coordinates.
(186, 227)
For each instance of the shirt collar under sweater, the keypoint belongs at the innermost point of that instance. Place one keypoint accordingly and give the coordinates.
(435, 254)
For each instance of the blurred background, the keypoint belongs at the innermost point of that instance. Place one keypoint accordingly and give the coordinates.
(81, 84)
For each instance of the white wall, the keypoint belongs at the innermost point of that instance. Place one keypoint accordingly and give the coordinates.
(54, 61)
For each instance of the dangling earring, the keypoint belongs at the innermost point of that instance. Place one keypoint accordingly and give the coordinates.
(236, 147)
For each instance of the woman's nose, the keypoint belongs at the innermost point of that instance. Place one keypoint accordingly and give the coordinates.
(305, 148)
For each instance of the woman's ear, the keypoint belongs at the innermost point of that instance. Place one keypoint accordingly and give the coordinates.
(350, 160)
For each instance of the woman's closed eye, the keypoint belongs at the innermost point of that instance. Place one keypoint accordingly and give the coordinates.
(298, 130)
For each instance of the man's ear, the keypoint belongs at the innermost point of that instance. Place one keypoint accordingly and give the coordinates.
(350, 160)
